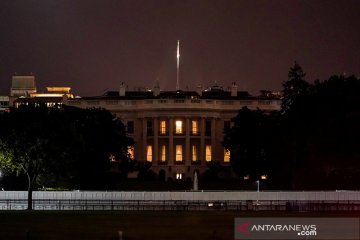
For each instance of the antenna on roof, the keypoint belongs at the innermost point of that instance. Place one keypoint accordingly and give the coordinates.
(178, 64)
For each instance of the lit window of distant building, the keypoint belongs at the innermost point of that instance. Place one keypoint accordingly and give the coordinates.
(163, 127)
(179, 153)
(179, 176)
(163, 153)
(149, 153)
(194, 127)
(194, 153)
(178, 127)
(208, 153)
(226, 155)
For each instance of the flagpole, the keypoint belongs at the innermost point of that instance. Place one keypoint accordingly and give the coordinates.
(178, 65)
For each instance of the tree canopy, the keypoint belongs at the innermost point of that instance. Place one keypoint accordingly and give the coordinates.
(63, 147)
(311, 144)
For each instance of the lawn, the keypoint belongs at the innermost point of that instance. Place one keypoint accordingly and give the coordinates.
(104, 225)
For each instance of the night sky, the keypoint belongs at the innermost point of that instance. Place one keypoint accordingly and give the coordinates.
(94, 45)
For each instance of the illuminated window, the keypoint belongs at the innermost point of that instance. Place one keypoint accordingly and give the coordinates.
(194, 127)
(130, 153)
(162, 127)
(163, 153)
(179, 155)
(178, 127)
(194, 153)
(208, 153)
(179, 176)
(226, 155)
(149, 153)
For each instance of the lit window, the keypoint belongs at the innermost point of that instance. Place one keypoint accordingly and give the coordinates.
(149, 153)
(163, 153)
(178, 127)
(226, 155)
(130, 153)
(194, 153)
(194, 127)
(162, 127)
(179, 156)
(179, 176)
(208, 153)
(263, 177)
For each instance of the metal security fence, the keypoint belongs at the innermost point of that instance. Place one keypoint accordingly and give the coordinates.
(181, 205)
(190, 195)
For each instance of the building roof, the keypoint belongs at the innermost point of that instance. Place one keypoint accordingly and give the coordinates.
(206, 94)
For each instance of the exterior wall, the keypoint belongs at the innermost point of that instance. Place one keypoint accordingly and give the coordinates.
(22, 86)
(148, 113)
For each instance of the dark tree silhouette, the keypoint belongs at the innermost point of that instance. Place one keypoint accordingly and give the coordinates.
(250, 142)
(69, 145)
(294, 87)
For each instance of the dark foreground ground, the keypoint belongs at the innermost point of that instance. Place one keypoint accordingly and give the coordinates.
(104, 225)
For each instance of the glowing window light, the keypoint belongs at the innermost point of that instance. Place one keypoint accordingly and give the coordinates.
(179, 154)
(163, 153)
(226, 155)
(194, 153)
(208, 153)
(149, 153)
(130, 153)
(162, 127)
(194, 127)
(263, 177)
(178, 127)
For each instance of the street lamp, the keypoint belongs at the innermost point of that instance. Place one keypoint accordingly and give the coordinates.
(258, 191)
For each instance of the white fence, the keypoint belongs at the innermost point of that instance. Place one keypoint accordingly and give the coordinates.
(188, 196)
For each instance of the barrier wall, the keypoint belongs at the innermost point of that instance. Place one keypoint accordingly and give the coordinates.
(189, 196)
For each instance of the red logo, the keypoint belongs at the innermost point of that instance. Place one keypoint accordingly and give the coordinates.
(244, 228)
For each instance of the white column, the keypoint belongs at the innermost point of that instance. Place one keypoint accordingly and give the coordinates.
(144, 138)
(187, 141)
(171, 142)
(156, 142)
(213, 139)
(202, 141)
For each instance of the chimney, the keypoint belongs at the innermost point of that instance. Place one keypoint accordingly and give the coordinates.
(122, 90)
(156, 89)
(234, 89)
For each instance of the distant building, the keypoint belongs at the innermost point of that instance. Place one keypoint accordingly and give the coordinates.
(22, 86)
(178, 132)
(4, 103)
(54, 96)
